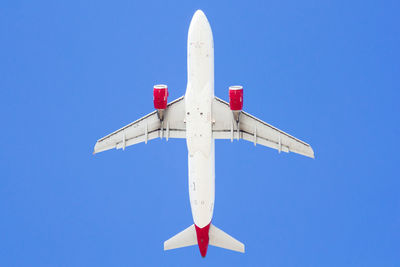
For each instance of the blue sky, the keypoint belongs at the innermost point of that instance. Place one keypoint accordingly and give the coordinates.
(325, 71)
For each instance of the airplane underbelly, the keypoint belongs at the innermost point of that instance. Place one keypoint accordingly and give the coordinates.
(202, 186)
(198, 102)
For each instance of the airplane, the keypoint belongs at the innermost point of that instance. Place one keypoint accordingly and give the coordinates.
(201, 118)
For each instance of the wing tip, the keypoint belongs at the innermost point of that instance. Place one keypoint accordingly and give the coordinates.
(312, 154)
(242, 248)
(94, 149)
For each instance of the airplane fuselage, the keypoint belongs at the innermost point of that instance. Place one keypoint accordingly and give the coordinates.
(198, 104)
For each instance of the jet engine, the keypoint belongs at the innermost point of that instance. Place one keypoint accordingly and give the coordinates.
(236, 100)
(160, 99)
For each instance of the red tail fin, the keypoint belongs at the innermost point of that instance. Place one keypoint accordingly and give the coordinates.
(203, 239)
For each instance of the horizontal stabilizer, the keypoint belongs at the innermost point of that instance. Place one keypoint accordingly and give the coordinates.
(185, 238)
(219, 238)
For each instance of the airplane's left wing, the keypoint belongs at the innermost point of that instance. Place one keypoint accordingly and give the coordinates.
(147, 128)
(254, 130)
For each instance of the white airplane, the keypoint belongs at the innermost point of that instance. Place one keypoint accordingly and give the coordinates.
(200, 117)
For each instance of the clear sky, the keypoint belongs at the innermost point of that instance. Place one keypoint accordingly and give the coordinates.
(326, 72)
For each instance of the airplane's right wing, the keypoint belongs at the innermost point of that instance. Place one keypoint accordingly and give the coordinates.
(254, 130)
(148, 128)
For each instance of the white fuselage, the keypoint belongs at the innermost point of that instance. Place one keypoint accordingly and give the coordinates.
(198, 104)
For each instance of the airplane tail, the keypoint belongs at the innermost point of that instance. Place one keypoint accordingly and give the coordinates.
(185, 238)
(217, 238)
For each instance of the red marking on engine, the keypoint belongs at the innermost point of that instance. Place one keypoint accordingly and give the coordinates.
(203, 239)
(236, 97)
(160, 96)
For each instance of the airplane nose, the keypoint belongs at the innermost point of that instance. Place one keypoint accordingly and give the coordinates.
(199, 18)
(199, 13)
(200, 30)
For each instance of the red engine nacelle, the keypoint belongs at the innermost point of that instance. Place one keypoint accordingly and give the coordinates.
(160, 96)
(236, 97)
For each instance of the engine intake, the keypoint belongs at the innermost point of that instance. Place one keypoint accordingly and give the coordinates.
(160, 99)
(236, 100)
(160, 96)
(236, 97)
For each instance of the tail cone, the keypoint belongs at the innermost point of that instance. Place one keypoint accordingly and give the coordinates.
(203, 239)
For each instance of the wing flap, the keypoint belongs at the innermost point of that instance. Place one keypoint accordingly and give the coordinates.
(262, 141)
